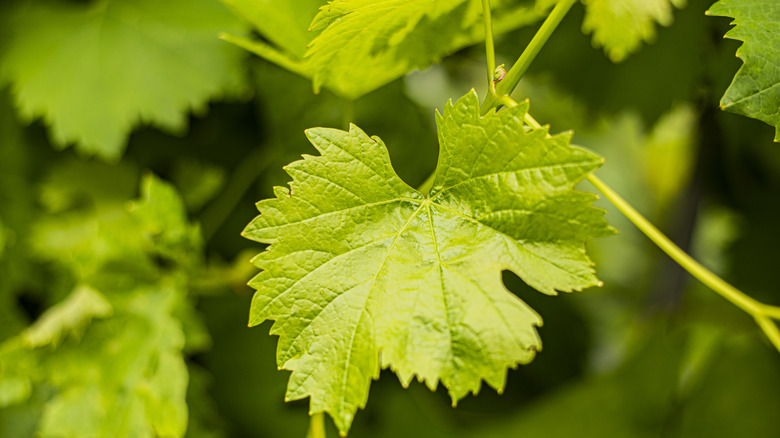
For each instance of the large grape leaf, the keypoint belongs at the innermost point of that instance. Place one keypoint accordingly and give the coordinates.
(620, 26)
(365, 44)
(365, 272)
(755, 90)
(94, 70)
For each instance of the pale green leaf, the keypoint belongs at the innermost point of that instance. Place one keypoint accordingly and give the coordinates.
(365, 272)
(365, 44)
(668, 156)
(755, 90)
(163, 218)
(621, 26)
(72, 315)
(94, 70)
(14, 391)
(128, 367)
(113, 231)
(368, 43)
(283, 22)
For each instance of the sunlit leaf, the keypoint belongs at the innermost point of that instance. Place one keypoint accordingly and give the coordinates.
(361, 263)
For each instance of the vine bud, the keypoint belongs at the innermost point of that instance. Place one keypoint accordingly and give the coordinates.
(499, 74)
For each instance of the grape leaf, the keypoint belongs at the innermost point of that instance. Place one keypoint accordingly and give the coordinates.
(94, 70)
(755, 90)
(365, 272)
(365, 44)
(620, 26)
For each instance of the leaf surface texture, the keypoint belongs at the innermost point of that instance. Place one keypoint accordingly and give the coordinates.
(365, 272)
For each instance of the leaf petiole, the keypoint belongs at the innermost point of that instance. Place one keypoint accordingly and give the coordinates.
(490, 53)
(316, 426)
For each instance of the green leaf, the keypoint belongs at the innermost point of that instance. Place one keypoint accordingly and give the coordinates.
(94, 70)
(71, 315)
(755, 90)
(285, 23)
(365, 44)
(130, 318)
(128, 367)
(361, 263)
(620, 26)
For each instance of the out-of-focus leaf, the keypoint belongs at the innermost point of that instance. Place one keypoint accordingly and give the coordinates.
(129, 367)
(163, 218)
(365, 44)
(621, 26)
(70, 316)
(114, 348)
(94, 70)
(755, 90)
(669, 153)
(285, 23)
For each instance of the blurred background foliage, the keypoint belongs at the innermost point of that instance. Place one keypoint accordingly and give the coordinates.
(132, 149)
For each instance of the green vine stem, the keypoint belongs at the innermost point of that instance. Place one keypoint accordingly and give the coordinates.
(517, 71)
(490, 52)
(316, 426)
(761, 312)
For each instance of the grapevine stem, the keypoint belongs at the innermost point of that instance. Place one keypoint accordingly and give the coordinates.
(490, 51)
(517, 71)
(759, 311)
(772, 311)
(762, 313)
(316, 426)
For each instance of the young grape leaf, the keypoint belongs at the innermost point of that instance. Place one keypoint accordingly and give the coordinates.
(365, 44)
(620, 26)
(364, 272)
(755, 90)
(94, 70)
